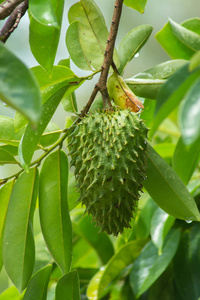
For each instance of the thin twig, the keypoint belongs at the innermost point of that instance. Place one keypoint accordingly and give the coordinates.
(7, 7)
(13, 21)
(108, 56)
(108, 61)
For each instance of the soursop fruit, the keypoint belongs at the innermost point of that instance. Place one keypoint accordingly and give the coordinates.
(108, 150)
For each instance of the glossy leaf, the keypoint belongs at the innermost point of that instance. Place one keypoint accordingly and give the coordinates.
(11, 293)
(160, 224)
(20, 121)
(37, 287)
(44, 39)
(100, 241)
(18, 87)
(133, 41)
(187, 264)
(186, 36)
(43, 12)
(8, 135)
(42, 255)
(13, 150)
(146, 88)
(171, 93)
(60, 76)
(163, 70)
(6, 158)
(142, 226)
(150, 265)
(195, 61)
(75, 48)
(138, 5)
(124, 257)
(73, 194)
(165, 150)
(31, 137)
(84, 256)
(50, 135)
(69, 103)
(5, 193)
(18, 242)
(148, 83)
(87, 35)
(68, 285)
(175, 49)
(148, 113)
(53, 208)
(189, 117)
(167, 190)
(185, 159)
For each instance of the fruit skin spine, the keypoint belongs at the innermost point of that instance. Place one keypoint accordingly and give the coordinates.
(108, 150)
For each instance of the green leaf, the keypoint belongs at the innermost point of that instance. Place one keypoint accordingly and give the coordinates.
(142, 226)
(11, 293)
(147, 88)
(160, 225)
(42, 255)
(124, 257)
(186, 36)
(150, 265)
(138, 5)
(195, 61)
(171, 93)
(37, 287)
(175, 49)
(18, 87)
(148, 113)
(187, 264)
(60, 76)
(5, 193)
(84, 256)
(69, 103)
(167, 190)
(73, 194)
(148, 83)
(43, 12)
(163, 70)
(75, 48)
(133, 41)
(6, 158)
(100, 241)
(53, 208)
(185, 159)
(50, 135)
(68, 285)
(44, 39)
(87, 35)
(189, 117)
(8, 135)
(18, 242)
(166, 150)
(20, 121)
(31, 137)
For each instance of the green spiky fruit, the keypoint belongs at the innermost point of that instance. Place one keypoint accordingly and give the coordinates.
(108, 150)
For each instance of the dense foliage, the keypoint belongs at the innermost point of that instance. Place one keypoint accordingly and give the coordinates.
(48, 248)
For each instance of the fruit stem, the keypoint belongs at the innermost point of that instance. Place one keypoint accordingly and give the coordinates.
(101, 85)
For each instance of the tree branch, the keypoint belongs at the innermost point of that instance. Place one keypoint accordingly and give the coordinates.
(7, 7)
(108, 61)
(13, 21)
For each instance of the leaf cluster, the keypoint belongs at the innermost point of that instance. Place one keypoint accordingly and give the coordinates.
(49, 249)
